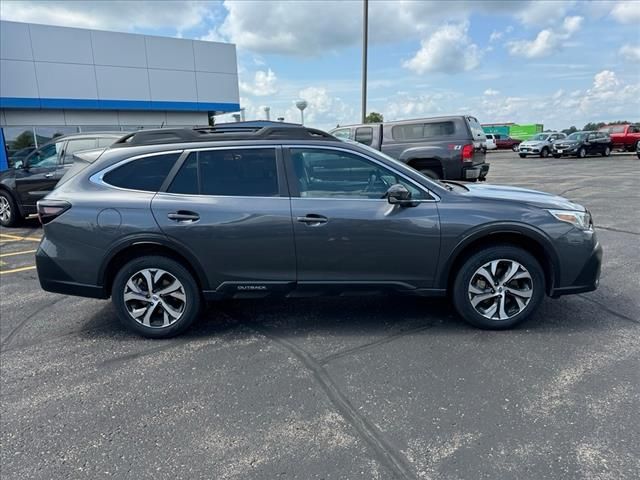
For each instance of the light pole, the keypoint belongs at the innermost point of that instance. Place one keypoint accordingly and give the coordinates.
(266, 112)
(365, 31)
(301, 104)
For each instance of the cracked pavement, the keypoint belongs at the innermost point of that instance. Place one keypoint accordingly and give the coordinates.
(343, 388)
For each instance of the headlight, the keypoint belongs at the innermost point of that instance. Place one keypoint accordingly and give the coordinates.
(581, 220)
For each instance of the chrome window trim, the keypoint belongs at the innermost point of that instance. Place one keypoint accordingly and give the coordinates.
(98, 177)
(436, 197)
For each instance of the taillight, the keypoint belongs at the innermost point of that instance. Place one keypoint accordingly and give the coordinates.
(467, 152)
(50, 209)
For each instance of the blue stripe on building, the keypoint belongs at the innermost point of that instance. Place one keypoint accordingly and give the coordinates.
(95, 104)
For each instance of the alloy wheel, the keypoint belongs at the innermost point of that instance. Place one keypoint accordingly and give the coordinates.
(5, 209)
(154, 298)
(500, 289)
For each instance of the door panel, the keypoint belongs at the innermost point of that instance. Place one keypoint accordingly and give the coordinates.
(39, 176)
(235, 239)
(230, 207)
(366, 241)
(346, 232)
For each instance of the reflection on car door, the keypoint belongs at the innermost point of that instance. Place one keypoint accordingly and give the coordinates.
(230, 207)
(347, 234)
(38, 176)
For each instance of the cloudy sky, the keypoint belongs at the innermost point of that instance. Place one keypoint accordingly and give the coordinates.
(560, 63)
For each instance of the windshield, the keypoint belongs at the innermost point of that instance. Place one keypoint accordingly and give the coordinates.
(577, 136)
(540, 136)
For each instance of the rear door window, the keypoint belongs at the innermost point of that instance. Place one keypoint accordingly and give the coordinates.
(476, 128)
(46, 157)
(146, 174)
(250, 172)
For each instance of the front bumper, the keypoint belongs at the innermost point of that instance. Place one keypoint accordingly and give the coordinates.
(569, 150)
(529, 149)
(588, 278)
(477, 172)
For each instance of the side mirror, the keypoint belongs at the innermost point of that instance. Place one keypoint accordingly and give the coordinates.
(18, 164)
(398, 194)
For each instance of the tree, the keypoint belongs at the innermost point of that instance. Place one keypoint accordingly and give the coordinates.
(25, 139)
(374, 117)
(593, 126)
(570, 130)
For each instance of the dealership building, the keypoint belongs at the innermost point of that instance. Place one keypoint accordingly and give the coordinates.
(56, 80)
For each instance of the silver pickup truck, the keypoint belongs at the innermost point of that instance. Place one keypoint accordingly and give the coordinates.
(449, 148)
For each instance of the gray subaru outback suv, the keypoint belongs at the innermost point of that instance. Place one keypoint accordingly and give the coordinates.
(167, 219)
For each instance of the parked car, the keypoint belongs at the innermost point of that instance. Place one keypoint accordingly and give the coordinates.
(292, 211)
(506, 142)
(581, 144)
(624, 137)
(491, 141)
(31, 178)
(452, 148)
(540, 144)
(638, 149)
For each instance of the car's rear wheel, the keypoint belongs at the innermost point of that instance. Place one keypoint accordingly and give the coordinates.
(607, 152)
(582, 152)
(498, 287)
(514, 148)
(544, 153)
(156, 296)
(9, 215)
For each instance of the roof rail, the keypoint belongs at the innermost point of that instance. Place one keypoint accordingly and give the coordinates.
(257, 130)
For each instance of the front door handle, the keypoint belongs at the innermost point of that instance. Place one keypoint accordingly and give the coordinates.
(48, 175)
(313, 219)
(183, 216)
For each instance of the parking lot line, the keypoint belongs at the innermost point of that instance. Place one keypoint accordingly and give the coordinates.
(14, 237)
(16, 270)
(16, 253)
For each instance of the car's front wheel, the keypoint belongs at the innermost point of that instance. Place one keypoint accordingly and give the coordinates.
(498, 287)
(156, 296)
(522, 155)
(607, 152)
(9, 214)
(582, 152)
(544, 153)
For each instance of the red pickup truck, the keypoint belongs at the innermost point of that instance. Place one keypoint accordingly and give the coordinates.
(624, 137)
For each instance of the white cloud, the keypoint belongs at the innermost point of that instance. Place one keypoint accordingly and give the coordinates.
(631, 53)
(264, 83)
(547, 40)
(537, 14)
(626, 12)
(111, 15)
(490, 92)
(448, 50)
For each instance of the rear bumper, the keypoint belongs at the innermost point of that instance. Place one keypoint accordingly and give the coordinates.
(477, 172)
(53, 279)
(588, 278)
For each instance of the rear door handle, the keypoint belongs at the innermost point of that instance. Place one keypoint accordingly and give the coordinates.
(183, 216)
(313, 219)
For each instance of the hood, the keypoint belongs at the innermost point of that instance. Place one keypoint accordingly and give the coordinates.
(566, 141)
(524, 195)
(8, 173)
(532, 143)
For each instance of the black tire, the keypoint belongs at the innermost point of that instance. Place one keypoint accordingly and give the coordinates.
(11, 215)
(555, 155)
(514, 148)
(431, 173)
(192, 303)
(544, 153)
(607, 152)
(522, 155)
(465, 274)
(582, 152)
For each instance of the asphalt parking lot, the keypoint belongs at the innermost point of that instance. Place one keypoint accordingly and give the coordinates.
(343, 388)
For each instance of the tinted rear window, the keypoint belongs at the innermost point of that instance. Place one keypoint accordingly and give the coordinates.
(146, 173)
(250, 172)
(418, 131)
(476, 128)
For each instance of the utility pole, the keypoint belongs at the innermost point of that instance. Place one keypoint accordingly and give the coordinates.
(365, 31)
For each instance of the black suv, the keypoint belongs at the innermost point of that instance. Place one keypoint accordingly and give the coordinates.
(581, 144)
(451, 148)
(165, 219)
(31, 178)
